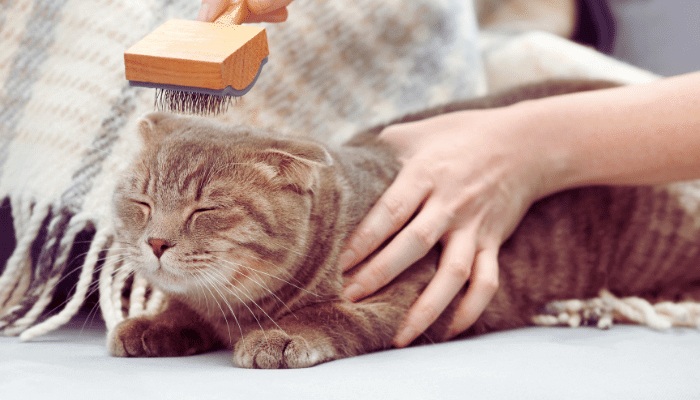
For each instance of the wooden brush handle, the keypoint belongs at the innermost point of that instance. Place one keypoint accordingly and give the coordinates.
(236, 14)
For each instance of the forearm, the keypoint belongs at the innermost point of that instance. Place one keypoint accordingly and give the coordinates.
(468, 177)
(644, 134)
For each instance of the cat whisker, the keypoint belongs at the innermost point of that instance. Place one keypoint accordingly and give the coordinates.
(198, 284)
(267, 274)
(230, 339)
(216, 283)
(268, 262)
(293, 251)
(249, 296)
(93, 286)
(263, 286)
(94, 310)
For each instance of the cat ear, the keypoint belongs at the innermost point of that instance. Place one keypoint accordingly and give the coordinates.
(298, 165)
(153, 127)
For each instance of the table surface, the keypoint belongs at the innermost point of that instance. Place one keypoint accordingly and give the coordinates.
(538, 363)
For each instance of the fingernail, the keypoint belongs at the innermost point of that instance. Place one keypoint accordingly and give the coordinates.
(260, 7)
(353, 292)
(345, 260)
(405, 337)
(203, 13)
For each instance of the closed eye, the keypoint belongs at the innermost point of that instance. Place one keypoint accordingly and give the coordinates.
(145, 207)
(200, 211)
(143, 204)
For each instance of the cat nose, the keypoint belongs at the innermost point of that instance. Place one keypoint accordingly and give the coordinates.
(159, 246)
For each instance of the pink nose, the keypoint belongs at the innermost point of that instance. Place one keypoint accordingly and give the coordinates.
(159, 246)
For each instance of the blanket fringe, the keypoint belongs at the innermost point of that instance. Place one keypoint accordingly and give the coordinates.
(110, 315)
(100, 241)
(607, 309)
(27, 286)
(19, 263)
(76, 225)
(143, 299)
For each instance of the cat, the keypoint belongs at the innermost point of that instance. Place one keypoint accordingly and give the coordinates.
(242, 228)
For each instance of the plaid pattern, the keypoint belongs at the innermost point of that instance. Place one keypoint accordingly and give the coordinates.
(67, 113)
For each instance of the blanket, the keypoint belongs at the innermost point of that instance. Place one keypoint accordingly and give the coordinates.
(67, 116)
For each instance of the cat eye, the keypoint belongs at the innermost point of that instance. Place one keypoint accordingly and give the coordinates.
(201, 210)
(145, 207)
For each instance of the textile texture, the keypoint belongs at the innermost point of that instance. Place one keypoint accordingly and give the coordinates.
(67, 115)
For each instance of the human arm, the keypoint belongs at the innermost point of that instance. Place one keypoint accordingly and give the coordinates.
(260, 10)
(470, 176)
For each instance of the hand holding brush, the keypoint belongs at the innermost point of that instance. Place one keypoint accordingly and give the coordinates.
(260, 10)
(197, 67)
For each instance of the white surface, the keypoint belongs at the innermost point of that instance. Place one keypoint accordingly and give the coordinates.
(625, 362)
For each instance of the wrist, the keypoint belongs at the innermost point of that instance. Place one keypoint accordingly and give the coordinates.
(550, 154)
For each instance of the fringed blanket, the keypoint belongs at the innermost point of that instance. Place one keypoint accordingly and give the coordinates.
(67, 113)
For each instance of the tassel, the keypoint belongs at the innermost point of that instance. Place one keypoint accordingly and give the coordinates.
(110, 314)
(18, 263)
(100, 241)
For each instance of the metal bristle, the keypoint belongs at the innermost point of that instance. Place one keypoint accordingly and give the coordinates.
(191, 102)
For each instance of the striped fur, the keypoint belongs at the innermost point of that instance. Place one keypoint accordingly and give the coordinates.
(242, 228)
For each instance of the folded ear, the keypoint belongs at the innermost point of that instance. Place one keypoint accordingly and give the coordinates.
(153, 127)
(297, 163)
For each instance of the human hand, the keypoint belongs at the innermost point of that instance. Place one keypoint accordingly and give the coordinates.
(260, 10)
(468, 177)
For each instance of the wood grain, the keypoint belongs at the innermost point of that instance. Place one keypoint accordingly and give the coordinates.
(198, 54)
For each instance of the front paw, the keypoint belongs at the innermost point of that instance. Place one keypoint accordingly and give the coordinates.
(275, 349)
(143, 337)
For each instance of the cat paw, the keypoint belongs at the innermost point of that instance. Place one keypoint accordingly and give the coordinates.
(274, 349)
(142, 337)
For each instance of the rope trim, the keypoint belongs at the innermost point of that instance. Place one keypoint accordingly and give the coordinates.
(607, 309)
(18, 263)
(106, 281)
(100, 241)
(144, 299)
(116, 290)
(66, 229)
(137, 300)
(26, 289)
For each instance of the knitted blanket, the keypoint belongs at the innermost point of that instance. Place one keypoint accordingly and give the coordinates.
(67, 116)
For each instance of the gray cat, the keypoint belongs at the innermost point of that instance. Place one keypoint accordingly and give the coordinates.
(242, 229)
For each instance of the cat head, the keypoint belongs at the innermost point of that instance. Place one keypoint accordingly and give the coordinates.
(212, 204)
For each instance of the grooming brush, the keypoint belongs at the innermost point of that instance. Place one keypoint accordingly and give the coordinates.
(198, 67)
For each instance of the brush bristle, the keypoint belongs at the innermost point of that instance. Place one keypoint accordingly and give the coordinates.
(190, 102)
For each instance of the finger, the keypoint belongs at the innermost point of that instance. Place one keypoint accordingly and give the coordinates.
(211, 9)
(483, 286)
(279, 15)
(410, 245)
(261, 7)
(451, 276)
(388, 215)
